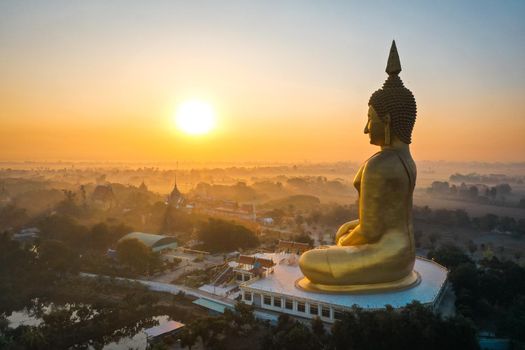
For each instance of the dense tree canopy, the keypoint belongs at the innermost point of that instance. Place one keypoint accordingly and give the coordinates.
(449, 256)
(491, 293)
(21, 278)
(415, 327)
(223, 236)
(137, 255)
(58, 257)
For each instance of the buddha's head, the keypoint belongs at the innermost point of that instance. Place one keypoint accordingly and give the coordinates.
(392, 109)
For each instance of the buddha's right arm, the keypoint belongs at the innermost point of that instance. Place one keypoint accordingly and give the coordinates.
(354, 237)
(345, 228)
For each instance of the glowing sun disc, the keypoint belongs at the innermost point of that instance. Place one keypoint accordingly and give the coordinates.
(195, 117)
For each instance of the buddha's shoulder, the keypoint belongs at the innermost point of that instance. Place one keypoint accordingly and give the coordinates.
(384, 161)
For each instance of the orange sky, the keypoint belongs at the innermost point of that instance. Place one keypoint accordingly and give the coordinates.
(289, 82)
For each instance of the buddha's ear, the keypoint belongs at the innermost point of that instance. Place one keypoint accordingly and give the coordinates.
(387, 129)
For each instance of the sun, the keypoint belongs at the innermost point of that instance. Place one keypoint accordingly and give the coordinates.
(195, 117)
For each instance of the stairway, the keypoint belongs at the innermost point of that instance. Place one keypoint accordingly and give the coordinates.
(224, 276)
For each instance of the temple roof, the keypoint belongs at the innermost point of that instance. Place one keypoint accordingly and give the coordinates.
(252, 260)
(293, 246)
(175, 197)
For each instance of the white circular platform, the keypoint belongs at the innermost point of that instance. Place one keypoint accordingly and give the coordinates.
(282, 283)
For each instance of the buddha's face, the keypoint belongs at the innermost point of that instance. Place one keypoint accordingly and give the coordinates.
(375, 128)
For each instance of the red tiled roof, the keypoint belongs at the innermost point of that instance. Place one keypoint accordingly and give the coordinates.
(266, 262)
(251, 260)
(295, 246)
(245, 259)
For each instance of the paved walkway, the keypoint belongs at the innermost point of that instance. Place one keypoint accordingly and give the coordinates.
(170, 288)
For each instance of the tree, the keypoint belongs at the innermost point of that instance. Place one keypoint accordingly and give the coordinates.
(503, 189)
(12, 216)
(33, 338)
(135, 254)
(414, 327)
(99, 237)
(292, 335)
(22, 277)
(244, 314)
(473, 192)
(223, 236)
(64, 228)
(318, 327)
(465, 276)
(514, 322)
(56, 256)
(304, 238)
(433, 237)
(449, 255)
(488, 222)
(314, 217)
(298, 337)
(68, 206)
(472, 247)
(212, 331)
(188, 338)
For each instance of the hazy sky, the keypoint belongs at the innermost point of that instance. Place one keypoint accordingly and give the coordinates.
(290, 80)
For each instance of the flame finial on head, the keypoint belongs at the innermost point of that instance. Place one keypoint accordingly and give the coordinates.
(393, 66)
(395, 100)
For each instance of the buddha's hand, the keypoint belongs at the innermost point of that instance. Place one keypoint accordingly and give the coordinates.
(345, 229)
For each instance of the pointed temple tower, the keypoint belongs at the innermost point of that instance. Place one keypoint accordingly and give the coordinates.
(143, 187)
(175, 198)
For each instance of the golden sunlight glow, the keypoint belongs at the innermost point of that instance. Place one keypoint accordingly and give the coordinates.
(195, 117)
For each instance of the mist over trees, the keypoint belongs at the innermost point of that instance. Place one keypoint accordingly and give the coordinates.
(76, 231)
(495, 195)
(460, 218)
(486, 179)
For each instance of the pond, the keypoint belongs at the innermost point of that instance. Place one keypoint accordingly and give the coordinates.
(138, 341)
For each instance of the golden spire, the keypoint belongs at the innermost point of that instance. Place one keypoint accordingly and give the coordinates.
(393, 65)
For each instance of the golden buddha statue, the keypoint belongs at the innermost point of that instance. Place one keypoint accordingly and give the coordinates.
(375, 252)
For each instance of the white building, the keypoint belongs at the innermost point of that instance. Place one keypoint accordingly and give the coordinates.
(277, 291)
(157, 243)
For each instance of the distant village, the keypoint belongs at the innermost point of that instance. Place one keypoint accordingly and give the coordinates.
(216, 245)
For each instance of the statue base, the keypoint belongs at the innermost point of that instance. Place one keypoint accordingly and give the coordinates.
(277, 293)
(412, 280)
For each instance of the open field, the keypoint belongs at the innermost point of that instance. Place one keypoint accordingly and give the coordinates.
(473, 209)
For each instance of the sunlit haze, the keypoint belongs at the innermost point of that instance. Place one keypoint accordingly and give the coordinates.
(195, 117)
(287, 81)
(206, 174)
